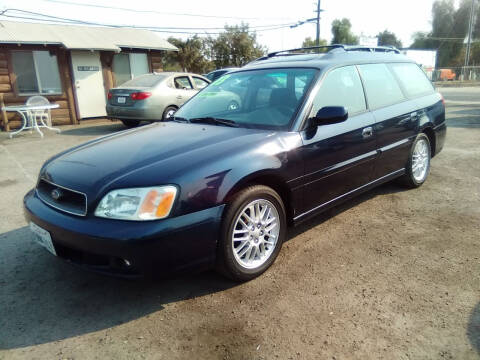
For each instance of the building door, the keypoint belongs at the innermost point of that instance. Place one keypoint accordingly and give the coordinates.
(89, 88)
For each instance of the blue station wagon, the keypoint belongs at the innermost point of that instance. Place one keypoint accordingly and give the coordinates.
(261, 148)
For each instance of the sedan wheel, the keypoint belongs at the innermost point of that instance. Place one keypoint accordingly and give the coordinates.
(169, 112)
(253, 230)
(233, 105)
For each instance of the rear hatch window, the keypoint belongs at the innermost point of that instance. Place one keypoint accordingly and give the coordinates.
(412, 78)
(147, 80)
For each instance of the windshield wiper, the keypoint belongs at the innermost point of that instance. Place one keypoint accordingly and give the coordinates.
(178, 119)
(214, 121)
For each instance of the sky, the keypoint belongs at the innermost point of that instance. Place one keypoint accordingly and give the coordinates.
(367, 16)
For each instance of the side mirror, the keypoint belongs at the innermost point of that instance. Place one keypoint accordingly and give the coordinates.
(330, 115)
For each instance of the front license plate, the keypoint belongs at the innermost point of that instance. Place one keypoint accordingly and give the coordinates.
(121, 100)
(42, 237)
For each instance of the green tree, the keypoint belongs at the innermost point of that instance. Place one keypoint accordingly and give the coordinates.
(190, 56)
(422, 40)
(342, 33)
(387, 38)
(449, 28)
(308, 42)
(236, 46)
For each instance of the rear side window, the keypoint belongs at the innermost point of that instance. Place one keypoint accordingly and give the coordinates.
(412, 78)
(341, 87)
(380, 85)
(182, 83)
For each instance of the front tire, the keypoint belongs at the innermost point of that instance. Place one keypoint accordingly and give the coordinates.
(252, 233)
(418, 166)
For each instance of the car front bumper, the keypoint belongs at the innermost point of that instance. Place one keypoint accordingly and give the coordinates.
(150, 247)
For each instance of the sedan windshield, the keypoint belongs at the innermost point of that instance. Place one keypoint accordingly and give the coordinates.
(266, 99)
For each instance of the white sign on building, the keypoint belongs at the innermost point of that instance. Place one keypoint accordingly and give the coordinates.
(425, 58)
(365, 40)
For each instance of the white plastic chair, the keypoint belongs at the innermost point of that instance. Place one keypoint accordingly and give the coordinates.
(43, 115)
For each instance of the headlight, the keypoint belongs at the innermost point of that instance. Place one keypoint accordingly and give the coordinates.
(150, 203)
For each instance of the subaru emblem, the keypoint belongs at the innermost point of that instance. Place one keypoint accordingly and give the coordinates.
(56, 194)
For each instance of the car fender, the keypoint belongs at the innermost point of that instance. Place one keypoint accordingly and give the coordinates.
(272, 164)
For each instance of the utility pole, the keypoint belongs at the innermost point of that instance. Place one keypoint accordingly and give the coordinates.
(469, 39)
(309, 21)
(318, 22)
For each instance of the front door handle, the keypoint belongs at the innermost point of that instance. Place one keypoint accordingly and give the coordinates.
(367, 132)
(179, 97)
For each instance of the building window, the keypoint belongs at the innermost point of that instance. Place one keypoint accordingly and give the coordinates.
(128, 66)
(36, 73)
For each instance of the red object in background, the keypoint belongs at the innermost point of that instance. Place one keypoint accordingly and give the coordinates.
(140, 95)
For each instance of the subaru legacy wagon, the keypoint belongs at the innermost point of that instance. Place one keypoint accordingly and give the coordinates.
(216, 186)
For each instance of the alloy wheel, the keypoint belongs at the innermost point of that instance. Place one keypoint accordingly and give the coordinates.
(420, 160)
(255, 234)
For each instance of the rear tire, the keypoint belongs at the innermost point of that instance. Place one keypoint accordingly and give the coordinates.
(131, 123)
(418, 165)
(169, 112)
(252, 232)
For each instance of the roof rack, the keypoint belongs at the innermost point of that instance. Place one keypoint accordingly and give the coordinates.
(296, 51)
(289, 51)
(372, 48)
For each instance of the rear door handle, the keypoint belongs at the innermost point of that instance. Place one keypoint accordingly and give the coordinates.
(179, 97)
(367, 132)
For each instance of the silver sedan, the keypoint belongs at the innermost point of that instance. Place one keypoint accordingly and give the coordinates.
(152, 97)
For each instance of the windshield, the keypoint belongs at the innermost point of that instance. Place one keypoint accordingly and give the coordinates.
(266, 99)
(147, 80)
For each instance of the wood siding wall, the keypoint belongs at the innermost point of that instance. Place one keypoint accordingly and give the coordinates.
(156, 61)
(65, 114)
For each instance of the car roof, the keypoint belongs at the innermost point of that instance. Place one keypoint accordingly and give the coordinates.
(334, 58)
(175, 73)
(224, 69)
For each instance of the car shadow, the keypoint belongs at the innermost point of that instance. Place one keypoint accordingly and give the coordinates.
(463, 116)
(95, 130)
(387, 188)
(466, 121)
(473, 329)
(43, 299)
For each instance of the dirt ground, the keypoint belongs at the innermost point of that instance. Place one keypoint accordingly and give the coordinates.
(393, 274)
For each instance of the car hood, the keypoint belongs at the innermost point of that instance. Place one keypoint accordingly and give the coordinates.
(170, 148)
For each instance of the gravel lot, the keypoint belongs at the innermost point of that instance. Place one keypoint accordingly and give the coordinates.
(394, 274)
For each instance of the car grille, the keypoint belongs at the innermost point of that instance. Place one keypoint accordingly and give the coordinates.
(61, 198)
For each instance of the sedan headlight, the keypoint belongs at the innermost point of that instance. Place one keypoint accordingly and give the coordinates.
(150, 203)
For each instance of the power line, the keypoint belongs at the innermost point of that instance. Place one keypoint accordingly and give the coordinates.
(172, 30)
(153, 11)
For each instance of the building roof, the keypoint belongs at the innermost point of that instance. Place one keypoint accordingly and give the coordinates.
(80, 37)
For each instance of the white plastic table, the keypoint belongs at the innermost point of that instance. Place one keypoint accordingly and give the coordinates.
(29, 119)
